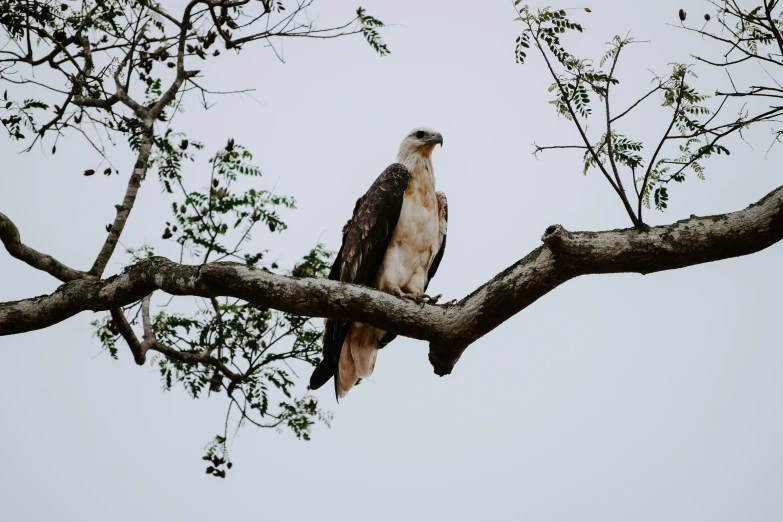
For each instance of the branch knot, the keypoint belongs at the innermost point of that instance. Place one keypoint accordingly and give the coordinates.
(555, 237)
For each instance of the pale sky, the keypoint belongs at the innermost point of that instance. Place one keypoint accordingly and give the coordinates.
(613, 398)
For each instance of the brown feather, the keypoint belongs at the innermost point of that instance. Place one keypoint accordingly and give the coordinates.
(365, 239)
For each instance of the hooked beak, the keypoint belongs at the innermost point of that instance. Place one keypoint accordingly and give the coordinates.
(435, 139)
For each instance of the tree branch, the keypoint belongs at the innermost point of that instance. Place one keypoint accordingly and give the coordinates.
(123, 211)
(9, 235)
(609, 138)
(140, 349)
(640, 100)
(651, 165)
(563, 256)
(734, 45)
(548, 147)
(773, 25)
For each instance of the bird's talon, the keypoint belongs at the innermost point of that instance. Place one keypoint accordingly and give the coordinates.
(426, 299)
(418, 299)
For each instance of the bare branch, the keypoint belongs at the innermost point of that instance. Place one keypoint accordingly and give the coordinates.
(773, 24)
(9, 235)
(539, 148)
(640, 100)
(609, 139)
(734, 45)
(724, 64)
(127, 205)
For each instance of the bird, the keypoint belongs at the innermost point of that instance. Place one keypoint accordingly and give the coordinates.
(394, 242)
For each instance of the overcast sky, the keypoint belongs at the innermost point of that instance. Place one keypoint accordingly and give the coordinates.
(613, 398)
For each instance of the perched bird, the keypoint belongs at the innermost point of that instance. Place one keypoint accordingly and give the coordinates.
(393, 242)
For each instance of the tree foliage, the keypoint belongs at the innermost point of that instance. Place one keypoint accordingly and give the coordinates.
(118, 72)
(697, 126)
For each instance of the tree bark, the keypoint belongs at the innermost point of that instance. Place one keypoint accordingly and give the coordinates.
(564, 255)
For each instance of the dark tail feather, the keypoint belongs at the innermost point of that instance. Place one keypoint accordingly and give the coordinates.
(322, 373)
(334, 335)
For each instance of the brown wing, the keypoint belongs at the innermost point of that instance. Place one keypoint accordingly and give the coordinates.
(366, 237)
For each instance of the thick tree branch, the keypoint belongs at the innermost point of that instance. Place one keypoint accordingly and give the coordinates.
(563, 256)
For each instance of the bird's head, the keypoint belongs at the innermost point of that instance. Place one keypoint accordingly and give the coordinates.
(420, 141)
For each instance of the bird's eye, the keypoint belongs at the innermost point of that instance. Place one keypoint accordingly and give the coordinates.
(419, 134)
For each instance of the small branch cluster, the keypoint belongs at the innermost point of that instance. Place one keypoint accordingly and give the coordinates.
(694, 128)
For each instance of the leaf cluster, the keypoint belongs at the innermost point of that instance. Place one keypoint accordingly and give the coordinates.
(260, 348)
(694, 133)
(369, 25)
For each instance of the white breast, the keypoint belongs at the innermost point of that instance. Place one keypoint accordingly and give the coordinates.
(414, 244)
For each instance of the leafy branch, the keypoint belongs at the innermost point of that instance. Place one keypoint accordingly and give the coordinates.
(695, 130)
(226, 345)
(129, 67)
